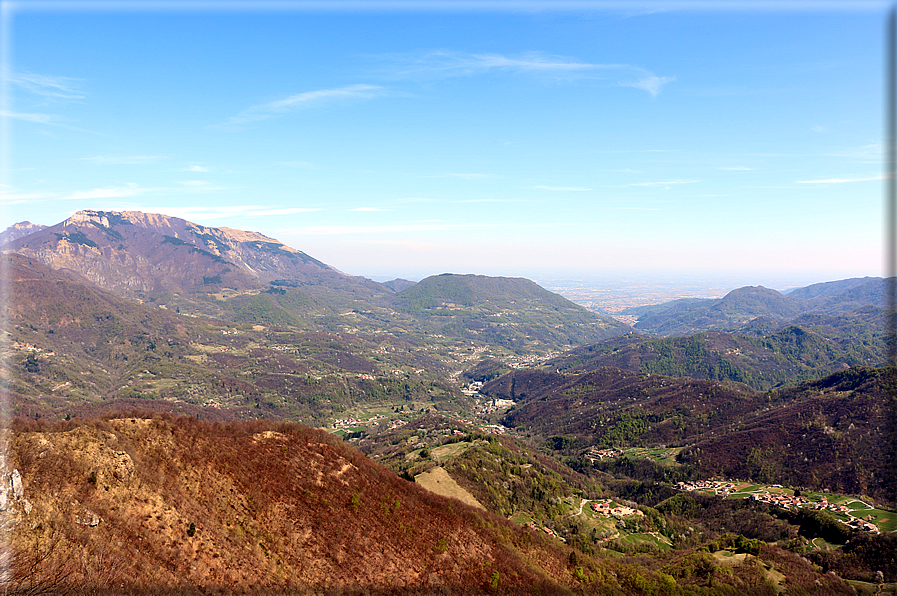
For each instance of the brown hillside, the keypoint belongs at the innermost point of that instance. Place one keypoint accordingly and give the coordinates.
(179, 506)
(829, 434)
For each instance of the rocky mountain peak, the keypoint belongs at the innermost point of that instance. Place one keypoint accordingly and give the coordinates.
(135, 253)
(19, 230)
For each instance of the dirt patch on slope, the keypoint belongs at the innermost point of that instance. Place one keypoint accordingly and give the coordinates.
(438, 481)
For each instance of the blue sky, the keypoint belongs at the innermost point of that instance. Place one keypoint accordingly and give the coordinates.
(393, 140)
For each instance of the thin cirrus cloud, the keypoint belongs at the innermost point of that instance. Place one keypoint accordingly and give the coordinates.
(368, 209)
(841, 180)
(50, 87)
(225, 211)
(302, 101)
(663, 183)
(423, 226)
(42, 118)
(650, 83)
(28, 117)
(563, 188)
(284, 211)
(18, 198)
(462, 175)
(112, 192)
(106, 160)
(869, 153)
(446, 64)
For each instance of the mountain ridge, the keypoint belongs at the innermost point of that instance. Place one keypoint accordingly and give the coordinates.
(138, 254)
(742, 306)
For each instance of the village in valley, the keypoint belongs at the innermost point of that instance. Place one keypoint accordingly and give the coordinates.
(853, 512)
(850, 511)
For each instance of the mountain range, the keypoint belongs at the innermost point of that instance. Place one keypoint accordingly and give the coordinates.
(238, 275)
(742, 306)
(157, 369)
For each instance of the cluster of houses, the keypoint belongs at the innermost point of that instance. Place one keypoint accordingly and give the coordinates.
(718, 488)
(604, 508)
(594, 453)
(394, 424)
(26, 347)
(495, 429)
(473, 355)
(493, 405)
(781, 500)
(786, 501)
(861, 524)
(344, 423)
(472, 388)
(530, 360)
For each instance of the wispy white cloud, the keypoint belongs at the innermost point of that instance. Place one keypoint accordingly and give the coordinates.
(439, 64)
(871, 152)
(301, 101)
(47, 86)
(198, 213)
(841, 180)
(423, 226)
(367, 209)
(415, 226)
(462, 175)
(284, 211)
(106, 160)
(651, 84)
(111, 192)
(664, 183)
(16, 198)
(29, 117)
(445, 64)
(417, 200)
(563, 188)
(202, 213)
(486, 201)
(818, 128)
(195, 168)
(735, 168)
(42, 118)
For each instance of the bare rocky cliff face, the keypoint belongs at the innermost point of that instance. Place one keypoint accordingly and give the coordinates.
(135, 254)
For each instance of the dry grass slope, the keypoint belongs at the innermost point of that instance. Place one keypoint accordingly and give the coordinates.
(162, 505)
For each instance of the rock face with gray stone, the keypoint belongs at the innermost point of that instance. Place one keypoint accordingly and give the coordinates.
(15, 480)
(12, 497)
(12, 494)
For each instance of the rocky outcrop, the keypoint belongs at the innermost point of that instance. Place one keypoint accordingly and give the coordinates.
(135, 254)
(19, 230)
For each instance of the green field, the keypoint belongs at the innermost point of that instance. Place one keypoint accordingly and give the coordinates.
(665, 455)
(450, 450)
(523, 518)
(644, 538)
(885, 520)
(866, 588)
